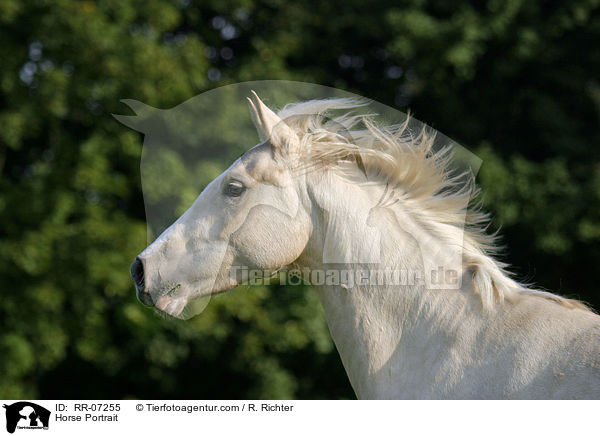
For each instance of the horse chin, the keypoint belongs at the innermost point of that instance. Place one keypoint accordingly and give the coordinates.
(171, 306)
(185, 307)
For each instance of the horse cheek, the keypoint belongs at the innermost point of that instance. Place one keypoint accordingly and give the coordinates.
(269, 239)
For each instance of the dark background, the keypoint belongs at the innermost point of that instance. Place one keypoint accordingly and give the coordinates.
(516, 82)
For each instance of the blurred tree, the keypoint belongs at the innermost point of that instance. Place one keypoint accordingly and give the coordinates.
(516, 82)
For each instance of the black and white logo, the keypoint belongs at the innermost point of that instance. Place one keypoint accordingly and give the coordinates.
(26, 415)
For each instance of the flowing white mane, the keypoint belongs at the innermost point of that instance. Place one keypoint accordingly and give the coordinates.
(333, 130)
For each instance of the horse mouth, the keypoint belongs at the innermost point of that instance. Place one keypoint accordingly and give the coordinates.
(173, 301)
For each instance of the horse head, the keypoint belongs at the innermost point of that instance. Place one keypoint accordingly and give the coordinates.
(251, 216)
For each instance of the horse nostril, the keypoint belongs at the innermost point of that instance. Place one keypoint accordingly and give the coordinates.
(137, 274)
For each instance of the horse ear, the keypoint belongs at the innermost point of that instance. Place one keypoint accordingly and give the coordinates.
(263, 118)
(269, 125)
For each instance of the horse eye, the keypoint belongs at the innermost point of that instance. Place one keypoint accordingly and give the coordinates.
(234, 188)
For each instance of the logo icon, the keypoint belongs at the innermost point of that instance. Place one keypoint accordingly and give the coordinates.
(26, 415)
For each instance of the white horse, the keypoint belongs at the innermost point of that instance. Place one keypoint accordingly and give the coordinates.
(318, 185)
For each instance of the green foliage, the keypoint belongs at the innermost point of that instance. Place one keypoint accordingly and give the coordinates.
(515, 81)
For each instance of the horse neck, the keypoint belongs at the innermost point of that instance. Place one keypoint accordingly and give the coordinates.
(383, 332)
